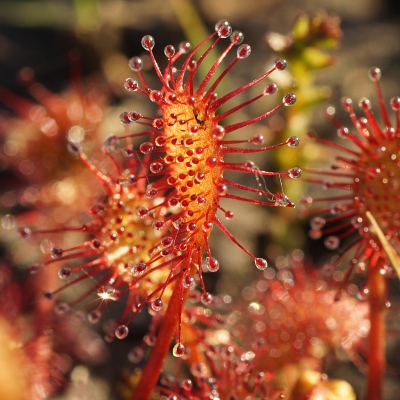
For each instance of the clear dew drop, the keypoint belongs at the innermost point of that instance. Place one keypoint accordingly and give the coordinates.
(343, 132)
(207, 226)
(237, 37)
(362, 123)
(257, 139)
(317, 223)
(146, 147)
(206, 298)
(335, 209)
(111, 144)
(156, 167)
(224, 31)
(64, 273)
(330, 111)
(280, 64)
(211, 162)
(135, 64)
(192, 66)
(221, 24)
(347, 103)
(124, 118)
(94, 316)
(160, 141)
(270, 89)
(109, 337)
(184, 47)
(134, 115)
(293, 141)
(56, 253)
(151, 193)
(374, 74)
(135, 355)
(158, 225)
(260, 263)
(283, 201)
(74, 148)
(171, 97)
(121, 332)
(131, 85)
(155, 96)
(24, 232)
(295, 173)
(188, 282)
(173, 202)
(187, 385)
(46, 246)
(363, 294)
(158, 123)
(289, 99)
(356, 222)
(169, 51)
(212, 264)
(157, 305)
(178, 350)
(332, 242)
(243, 51)
(61, 308)
(35, 268)
(314, 234)
(219, 132)
(222, 190)
(198, 369)
(395, 103)
(142, 212)
(139, 269)
(364, 104)
(48, 295)
(148, 42)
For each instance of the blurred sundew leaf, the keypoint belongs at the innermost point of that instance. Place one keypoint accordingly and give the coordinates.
(37, 13)
(316, 58)
(301, 27)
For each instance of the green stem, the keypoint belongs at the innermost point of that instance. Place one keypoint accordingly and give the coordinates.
(195, 31)
(190, 20)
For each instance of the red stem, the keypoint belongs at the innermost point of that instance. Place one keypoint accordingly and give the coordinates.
(377, 345)
(156, 359)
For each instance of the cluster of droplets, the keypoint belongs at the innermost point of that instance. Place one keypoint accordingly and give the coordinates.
(369, 173)
(124, 253)
(225, 370)
(297, 312)
(33, 145)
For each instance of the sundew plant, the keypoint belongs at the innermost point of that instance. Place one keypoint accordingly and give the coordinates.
(183, 225)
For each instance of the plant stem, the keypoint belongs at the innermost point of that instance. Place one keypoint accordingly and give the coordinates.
(156, 359)
(377, 347)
